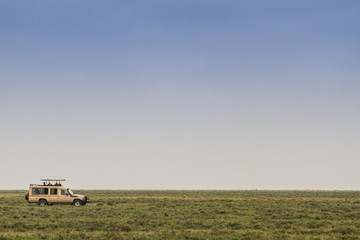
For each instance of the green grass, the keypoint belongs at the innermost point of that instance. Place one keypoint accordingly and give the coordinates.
(186, 215)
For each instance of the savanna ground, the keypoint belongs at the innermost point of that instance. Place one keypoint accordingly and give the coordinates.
(186, 215)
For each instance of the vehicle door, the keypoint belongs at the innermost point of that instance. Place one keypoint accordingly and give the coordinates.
(53, 197)
(64, 196)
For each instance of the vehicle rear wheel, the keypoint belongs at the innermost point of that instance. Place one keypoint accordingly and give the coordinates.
(43, 203)
(77, 203)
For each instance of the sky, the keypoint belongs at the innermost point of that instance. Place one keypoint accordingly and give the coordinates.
(191, 94)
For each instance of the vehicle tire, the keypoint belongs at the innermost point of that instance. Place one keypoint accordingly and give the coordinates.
(77, 203)
(43, 203)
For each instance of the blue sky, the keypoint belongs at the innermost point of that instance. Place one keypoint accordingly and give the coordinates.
(180, 94)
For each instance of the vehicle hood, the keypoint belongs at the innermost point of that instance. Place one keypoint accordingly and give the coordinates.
(78, 195)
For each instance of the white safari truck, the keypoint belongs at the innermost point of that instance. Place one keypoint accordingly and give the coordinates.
(51, 191)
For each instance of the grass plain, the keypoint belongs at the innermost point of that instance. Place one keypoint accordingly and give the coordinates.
(169, 214)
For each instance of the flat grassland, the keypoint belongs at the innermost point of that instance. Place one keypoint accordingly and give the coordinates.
(186, 215)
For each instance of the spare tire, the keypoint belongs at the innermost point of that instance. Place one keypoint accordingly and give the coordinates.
(27, 196)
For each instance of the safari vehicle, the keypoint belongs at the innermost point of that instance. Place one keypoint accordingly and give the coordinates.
(53, 192)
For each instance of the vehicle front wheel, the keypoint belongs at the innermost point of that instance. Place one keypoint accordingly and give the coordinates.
(77, 203)
(43, 203)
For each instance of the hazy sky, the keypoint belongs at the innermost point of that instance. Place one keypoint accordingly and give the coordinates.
(187, 94)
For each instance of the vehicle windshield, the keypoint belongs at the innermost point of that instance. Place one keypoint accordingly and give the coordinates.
(71, 192)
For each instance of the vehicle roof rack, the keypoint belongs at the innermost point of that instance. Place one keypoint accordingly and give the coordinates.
(52, 180)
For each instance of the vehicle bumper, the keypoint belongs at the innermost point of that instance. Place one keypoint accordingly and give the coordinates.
(86, 200)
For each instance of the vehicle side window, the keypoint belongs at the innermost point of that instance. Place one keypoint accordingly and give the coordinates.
(64, 192)
(53, 191)
(40, 191)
